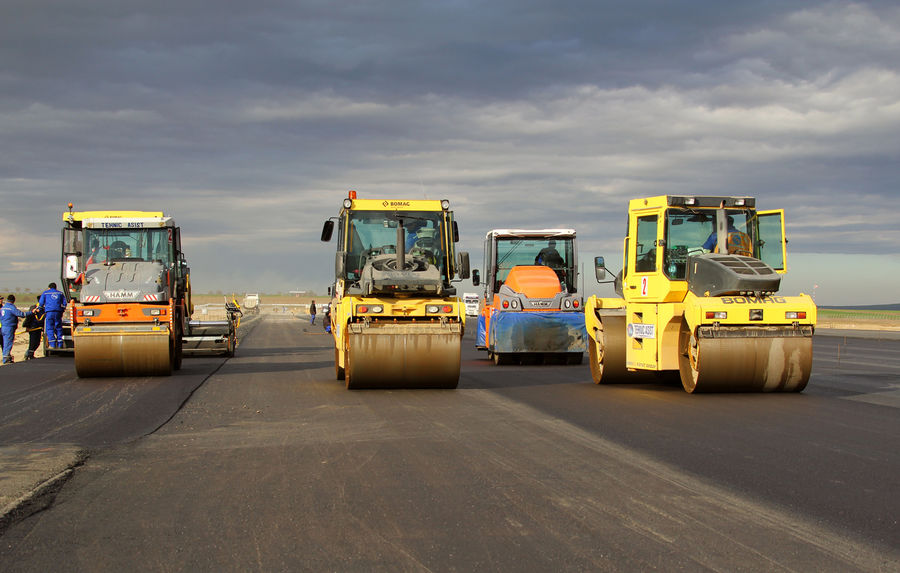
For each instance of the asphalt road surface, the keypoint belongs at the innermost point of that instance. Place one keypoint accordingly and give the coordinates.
(264, 462)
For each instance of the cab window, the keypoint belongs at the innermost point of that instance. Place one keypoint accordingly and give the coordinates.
(645, 247)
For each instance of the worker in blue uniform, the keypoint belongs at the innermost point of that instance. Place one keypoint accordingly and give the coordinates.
(54, 303)
(9, 321)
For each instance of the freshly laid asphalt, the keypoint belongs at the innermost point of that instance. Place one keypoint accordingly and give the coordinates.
(265, 462)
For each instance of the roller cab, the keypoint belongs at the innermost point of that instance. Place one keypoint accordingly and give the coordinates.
(531, 311)
(699, 295)
(395, 316)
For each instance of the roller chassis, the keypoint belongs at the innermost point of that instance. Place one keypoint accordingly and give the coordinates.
(128, 285)
(395, 319)
(530, 311)
(721, 327)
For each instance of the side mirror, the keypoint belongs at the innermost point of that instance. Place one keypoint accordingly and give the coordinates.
(476, 278)
(455, 232)
(599, 268)
(463, 271)
(329, 291)
(327, 229)
(340, 263)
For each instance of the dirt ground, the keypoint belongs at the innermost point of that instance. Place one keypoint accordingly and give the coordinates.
(859, 324)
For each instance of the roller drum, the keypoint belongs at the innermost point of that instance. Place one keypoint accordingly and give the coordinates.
(123, 354)
(744, 364)
(607, 353)
(403, 356)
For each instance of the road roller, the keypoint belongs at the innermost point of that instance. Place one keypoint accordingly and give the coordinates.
(128, 284)
(395, 316)
(698, 294)
(531, 311)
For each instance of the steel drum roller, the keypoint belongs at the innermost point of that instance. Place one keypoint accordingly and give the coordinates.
(122, 353)
(745, 364)
(607, 353)
(403, 356)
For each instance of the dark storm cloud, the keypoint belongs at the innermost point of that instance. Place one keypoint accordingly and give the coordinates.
(249, 121)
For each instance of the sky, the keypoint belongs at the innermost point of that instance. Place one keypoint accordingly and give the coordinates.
(248, 122)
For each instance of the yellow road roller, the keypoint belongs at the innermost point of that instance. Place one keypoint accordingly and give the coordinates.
(698, 294)
(395, 316)
(128, 283)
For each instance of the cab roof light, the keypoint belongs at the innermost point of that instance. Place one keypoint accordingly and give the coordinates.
(445, 204)
(712, 202)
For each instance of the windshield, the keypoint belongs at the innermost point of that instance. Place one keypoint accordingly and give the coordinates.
(556, 253)
(691, 232)
(372, 233)
(110, 245)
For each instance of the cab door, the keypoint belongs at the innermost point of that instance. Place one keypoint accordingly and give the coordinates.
(72, 261)
(772, 243)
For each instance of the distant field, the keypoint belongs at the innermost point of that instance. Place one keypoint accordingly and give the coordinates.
(854, 314)
(263, 298)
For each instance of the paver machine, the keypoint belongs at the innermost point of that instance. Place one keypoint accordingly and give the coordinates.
(395, 316)
(698, 294)
(531, 310)
(128, 285)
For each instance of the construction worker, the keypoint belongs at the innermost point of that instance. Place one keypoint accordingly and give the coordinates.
(413, 233)
(53, 304)
(34, 325)
(549, 256)
(737, 242)
(9, 321)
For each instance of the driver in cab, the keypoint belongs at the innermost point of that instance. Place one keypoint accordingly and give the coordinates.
(737, 243)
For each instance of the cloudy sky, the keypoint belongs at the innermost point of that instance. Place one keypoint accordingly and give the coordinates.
(249, 121)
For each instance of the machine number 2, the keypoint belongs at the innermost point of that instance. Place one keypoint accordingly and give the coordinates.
(643, 286)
